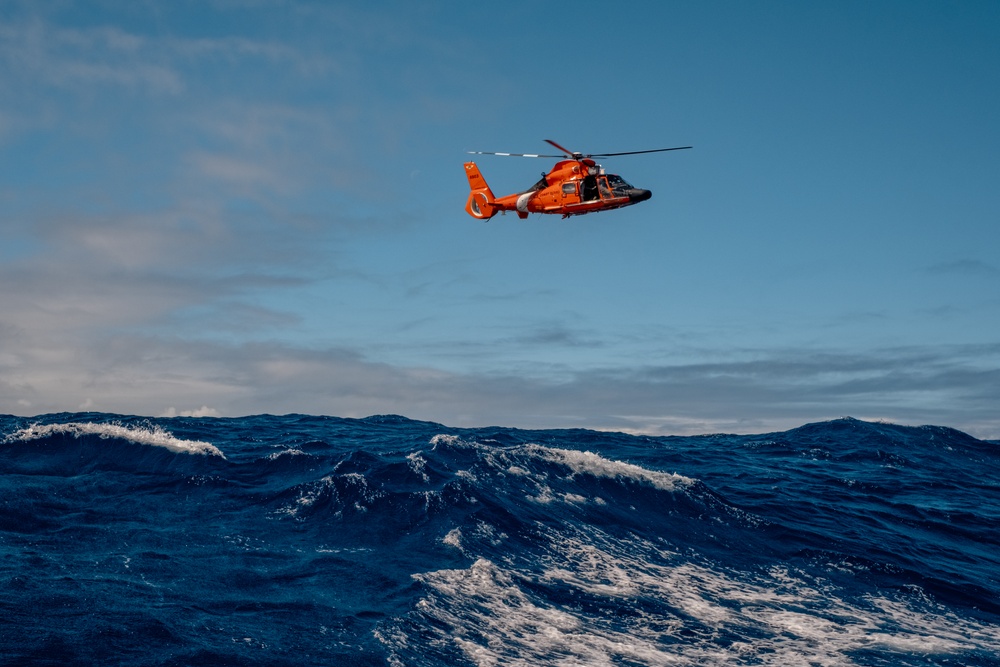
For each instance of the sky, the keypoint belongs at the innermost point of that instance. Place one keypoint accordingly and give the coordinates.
(236, 207)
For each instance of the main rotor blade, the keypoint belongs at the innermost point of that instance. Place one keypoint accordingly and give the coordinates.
(513, 154)
(655, 150)
(576, 156)
(569, 153)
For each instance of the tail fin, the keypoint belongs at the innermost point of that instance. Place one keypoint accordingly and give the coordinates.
(480, 203)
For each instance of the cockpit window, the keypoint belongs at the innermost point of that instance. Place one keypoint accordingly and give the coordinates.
(619, 185)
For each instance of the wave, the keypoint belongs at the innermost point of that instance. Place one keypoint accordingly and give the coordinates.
(152, 435)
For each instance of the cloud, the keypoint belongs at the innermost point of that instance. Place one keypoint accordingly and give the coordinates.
(157, 204)
(554, 334)
(126, 373)
(77, 59)
(203, 411)
(964, 267)
(246, 175)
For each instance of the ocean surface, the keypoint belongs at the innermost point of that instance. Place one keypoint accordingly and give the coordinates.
(301, 540)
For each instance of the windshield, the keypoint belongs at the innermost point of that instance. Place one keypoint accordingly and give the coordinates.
(617, 181)
(619, 185)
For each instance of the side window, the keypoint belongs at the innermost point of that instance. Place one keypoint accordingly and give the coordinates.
(602, 183)
(569, 188)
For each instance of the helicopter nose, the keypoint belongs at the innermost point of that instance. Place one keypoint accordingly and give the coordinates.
(637, 195)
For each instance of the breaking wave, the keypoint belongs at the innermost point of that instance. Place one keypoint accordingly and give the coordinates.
(154, 436)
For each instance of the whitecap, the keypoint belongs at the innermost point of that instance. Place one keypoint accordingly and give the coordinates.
(152, 435)
(593, 464)
(274, 456)
(578, 462)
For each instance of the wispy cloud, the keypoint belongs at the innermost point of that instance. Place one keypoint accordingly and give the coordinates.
(78, 59)
(965, 267)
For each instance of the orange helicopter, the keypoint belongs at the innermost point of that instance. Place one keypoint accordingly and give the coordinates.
(575, 185)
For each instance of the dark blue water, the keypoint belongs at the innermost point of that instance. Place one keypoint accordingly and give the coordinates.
(303, 540)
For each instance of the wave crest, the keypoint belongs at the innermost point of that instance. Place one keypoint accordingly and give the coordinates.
(595, 465)
(153, 435)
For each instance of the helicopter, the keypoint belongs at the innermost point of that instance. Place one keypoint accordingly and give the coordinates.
(575, 185)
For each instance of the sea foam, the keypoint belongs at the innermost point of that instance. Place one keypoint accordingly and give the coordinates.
(154, 436)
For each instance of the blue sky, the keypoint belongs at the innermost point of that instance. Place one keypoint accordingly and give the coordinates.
(240, 207)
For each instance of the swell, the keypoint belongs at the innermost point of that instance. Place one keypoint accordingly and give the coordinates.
(386, 541)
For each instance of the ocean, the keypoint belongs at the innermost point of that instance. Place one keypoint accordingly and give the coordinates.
(305, 540)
